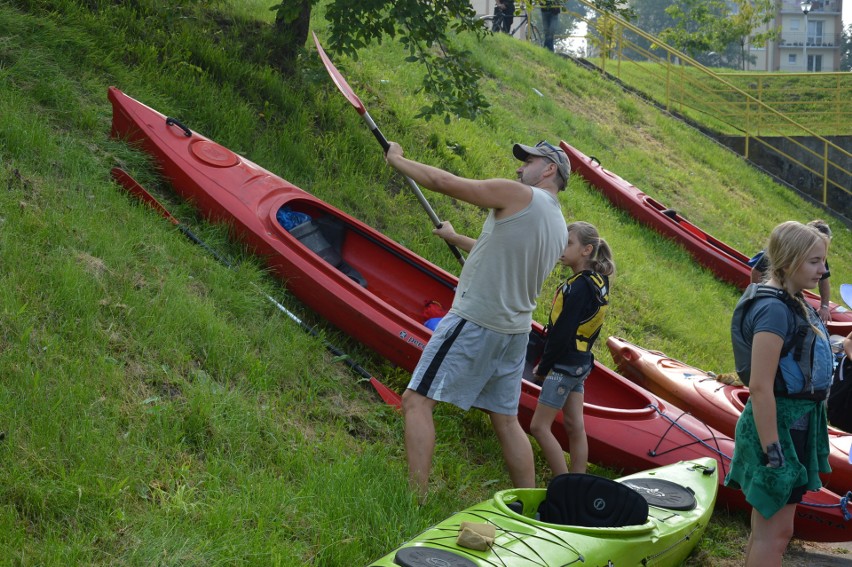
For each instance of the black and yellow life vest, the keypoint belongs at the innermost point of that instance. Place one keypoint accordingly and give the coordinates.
(589, 327)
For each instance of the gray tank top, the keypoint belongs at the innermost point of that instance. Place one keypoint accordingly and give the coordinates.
(507, 266)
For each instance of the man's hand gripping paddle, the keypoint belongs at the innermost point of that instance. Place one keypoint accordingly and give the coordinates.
(359, 106)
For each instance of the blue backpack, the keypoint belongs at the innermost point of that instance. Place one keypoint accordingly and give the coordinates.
(807, 363)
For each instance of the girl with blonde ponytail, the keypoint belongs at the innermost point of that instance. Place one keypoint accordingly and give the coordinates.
(574, 324)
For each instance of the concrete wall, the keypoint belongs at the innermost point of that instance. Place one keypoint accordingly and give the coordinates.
(765, 156)
(483, 7)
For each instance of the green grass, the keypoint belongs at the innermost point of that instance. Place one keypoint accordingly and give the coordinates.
(156, 409)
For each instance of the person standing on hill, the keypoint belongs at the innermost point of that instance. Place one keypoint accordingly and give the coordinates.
(476, 355)
(504, 15)
(550, 10)
(759, 263)
(782, 434)
(573, 326)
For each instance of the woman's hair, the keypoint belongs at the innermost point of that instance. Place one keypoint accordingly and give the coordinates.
(821, 226)
(601, 256)
(788, 248)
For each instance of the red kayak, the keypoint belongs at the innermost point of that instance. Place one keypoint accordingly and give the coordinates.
(379, 289)
(375, 290)
(715, 403)
(726, 262)
(630, 429)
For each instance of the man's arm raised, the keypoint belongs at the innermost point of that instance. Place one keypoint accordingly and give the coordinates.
(495, 194)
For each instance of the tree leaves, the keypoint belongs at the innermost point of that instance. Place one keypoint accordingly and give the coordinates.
(712, 25)
(426, 30)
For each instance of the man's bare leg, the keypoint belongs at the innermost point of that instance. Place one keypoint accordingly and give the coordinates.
(517, 450)
(419, 439)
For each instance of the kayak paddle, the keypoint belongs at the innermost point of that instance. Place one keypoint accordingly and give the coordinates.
(134, 188)
(353, 99)
(846, 294)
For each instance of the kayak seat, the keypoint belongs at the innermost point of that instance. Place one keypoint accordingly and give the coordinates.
(326, 240)
(575, 499)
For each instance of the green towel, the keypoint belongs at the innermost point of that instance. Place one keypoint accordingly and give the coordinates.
(768, 489)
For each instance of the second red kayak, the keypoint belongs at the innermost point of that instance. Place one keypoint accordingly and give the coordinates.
(728, 263)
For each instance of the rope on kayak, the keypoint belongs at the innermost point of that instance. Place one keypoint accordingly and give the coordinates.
(510, 554)
(524, 538)
(843, 504)
(673, 423)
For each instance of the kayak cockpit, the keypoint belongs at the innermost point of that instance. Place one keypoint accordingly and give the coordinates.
(376, 264)
(605, 392)
(566, 504)
(608, 394)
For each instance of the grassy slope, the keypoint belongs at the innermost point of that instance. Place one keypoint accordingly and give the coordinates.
(155, 409)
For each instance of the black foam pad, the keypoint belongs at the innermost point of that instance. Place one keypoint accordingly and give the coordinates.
(592, 501)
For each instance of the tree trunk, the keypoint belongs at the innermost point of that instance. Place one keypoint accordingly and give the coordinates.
(291, 33)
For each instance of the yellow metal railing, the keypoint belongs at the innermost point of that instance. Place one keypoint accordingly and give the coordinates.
(762, 108)
(822, 99)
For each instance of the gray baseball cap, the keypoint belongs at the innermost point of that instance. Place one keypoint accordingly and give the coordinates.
(548, 151)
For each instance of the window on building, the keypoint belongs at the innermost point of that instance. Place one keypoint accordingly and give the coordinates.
(794, 24)
(815, 34)
(791, 59)
(815, 63)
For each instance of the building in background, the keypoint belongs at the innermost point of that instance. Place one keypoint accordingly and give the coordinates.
(807, 42)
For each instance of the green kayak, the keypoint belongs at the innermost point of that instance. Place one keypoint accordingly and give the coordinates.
(652, 518)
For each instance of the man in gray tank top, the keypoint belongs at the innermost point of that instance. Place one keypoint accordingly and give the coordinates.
(476, 354)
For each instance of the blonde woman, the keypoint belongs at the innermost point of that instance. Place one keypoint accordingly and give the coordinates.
(781, 436)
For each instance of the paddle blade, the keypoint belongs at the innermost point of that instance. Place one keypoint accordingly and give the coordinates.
(846, 294)
(338, 79)
(134, 188)
(390, 397)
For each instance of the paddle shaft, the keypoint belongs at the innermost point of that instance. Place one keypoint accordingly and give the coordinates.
(353, 99)
(411, 183)
(135, 189)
